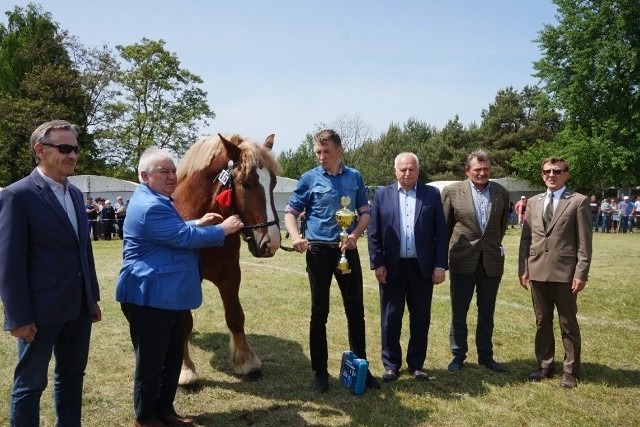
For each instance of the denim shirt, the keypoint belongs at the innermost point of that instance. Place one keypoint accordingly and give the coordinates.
(318, 194)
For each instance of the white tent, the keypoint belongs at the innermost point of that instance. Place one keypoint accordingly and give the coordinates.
(282, 193)
(441, 184)
(103, 186)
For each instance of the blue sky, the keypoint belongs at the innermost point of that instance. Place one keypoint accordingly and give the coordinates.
(283, 66)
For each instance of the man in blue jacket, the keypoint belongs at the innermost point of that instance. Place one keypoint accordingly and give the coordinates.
(48, 281)
(408, 242)
(160, 279)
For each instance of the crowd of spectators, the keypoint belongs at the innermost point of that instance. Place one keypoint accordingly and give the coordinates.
(615, 216)
(105, 221)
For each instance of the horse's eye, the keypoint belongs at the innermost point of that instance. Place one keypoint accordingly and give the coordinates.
(246, 185)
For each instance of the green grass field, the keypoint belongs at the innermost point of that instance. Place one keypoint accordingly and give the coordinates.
(275, 297)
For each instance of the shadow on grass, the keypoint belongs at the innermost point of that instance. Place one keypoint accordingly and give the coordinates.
(286, 380)
(286, 384)
(475, 380)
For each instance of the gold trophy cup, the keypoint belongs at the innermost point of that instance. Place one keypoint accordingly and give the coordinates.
(345, 218)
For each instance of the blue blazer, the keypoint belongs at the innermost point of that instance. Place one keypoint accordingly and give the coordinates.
(430, 230)
(161, 267)
(45, 268)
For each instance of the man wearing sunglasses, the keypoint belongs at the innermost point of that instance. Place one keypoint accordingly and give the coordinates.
(48, 281)
(554, 261)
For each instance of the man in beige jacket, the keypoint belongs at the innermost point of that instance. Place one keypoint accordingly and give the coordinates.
(554, 260)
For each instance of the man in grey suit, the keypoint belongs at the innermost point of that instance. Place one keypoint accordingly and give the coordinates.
(554, 261)
(48, 281)
(476, 214)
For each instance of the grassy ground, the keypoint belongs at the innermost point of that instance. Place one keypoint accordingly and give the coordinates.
(276, 301)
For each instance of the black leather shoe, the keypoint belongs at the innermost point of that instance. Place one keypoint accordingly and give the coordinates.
(390, 375)
(542, 374)
(493, 365)
(321, 383)
(372, 382)
(568, 381)
(419, 374)
(455, 365)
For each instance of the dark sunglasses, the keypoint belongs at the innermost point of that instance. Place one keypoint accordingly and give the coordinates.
(63, 148)
(555, 171)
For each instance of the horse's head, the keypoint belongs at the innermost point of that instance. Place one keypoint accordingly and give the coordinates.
(233, 176)
(253, 178)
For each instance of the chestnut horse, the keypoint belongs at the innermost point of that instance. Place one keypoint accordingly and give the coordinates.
(228, 176)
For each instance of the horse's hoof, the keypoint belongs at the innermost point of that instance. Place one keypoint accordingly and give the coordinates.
(188, 377)
(252, 376)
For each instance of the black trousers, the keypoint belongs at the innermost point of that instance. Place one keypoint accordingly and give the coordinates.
(462, 287)
(416, 291)
(157, 338)
(321, 268)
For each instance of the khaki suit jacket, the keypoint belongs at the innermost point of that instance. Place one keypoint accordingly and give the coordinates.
(563, 252)
(466, 241)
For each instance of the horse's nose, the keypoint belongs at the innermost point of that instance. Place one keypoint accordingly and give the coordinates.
(264, 247)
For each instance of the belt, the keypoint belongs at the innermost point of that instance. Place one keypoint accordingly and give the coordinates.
(324, 243)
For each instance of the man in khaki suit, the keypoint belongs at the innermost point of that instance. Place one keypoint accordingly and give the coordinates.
(476, 214)
(555, 255)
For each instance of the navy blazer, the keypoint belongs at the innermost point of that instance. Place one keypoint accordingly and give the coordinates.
(46, 270)
(431, 237)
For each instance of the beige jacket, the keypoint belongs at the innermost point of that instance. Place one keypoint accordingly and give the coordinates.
(563, 252)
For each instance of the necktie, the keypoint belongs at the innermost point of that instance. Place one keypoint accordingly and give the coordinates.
(548, 212)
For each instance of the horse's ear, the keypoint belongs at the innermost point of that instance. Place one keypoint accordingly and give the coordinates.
(232, 149)
(268, 143)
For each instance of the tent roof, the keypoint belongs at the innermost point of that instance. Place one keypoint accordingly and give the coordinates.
(514, 184)
(441, 184)
(511, 184)
(96, 184)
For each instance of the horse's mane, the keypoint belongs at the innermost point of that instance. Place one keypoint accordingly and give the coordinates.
(200, 155)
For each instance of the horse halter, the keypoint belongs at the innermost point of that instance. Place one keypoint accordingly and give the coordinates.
(226, 177)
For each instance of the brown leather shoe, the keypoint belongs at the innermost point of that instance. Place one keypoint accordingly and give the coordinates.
(568, 381)
(176, 420)
(542, 374)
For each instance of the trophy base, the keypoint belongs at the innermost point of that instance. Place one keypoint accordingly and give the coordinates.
(341, 271)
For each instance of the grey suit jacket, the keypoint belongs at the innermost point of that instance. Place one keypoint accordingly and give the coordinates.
(563, 252)
(466, 241)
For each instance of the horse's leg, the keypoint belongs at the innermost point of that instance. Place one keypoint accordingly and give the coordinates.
(244, 359)
(188, 374)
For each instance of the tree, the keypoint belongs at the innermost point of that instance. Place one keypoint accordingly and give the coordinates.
(160, 105)
(375, 158)
(98, 70)
(450, 148)
(37, 82)
(295, 163)
(590, 66)
(513, 123)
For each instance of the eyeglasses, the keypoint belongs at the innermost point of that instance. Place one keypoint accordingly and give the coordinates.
(554, 171)
(63, 148)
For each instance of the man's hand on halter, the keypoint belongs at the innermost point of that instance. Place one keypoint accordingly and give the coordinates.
(209, 219)
(300, 244)
(231, 224)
